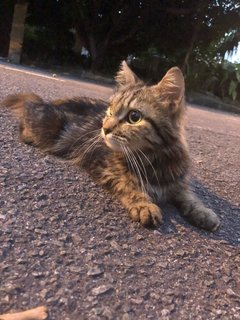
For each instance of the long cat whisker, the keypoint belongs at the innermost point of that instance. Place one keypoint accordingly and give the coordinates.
(91, 147)
(135, 162)
(144, 170)
(142, 166)
(154, 171)
(129, 161)
(129, 157)
(141, 172)
(80, 137)
(88, 146)
(126, 156)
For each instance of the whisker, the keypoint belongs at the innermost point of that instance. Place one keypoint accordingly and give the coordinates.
(85, 149)
(136, 164)
(135, 169)
(86, 144)
(144, 169)
(154, 171)
(81, 137)
(129, 161)
(90, 147)
(149, 185)
(125, 155)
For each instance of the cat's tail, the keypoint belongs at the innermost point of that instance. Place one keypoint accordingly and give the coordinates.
(17, 103)
(40, 122)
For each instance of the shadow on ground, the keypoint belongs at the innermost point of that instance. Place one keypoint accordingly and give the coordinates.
(229, 214)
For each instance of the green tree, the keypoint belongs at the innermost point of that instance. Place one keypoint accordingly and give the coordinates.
(109, 29)
(182, 29)
(48, 36)
(182, 32)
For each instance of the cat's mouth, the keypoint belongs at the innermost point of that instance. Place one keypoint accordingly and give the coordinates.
(113, 142)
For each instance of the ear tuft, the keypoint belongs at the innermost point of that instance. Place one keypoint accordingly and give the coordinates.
(126, 76)
(172, 86)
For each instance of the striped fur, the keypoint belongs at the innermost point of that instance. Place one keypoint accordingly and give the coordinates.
(134, 146)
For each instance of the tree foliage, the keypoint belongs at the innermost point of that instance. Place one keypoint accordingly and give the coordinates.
(48, 36)
(152, 34)
(176, 30)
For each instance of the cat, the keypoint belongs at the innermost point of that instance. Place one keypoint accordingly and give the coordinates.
(134, 145)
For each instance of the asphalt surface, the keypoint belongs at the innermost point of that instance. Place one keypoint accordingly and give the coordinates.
(67, 244)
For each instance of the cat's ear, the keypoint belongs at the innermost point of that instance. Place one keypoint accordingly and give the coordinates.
(172, 86)
(126, 76)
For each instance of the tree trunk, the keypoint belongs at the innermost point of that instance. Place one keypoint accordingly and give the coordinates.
(98, 53)
(78, 44)
(6, 16)
(191, 46)
(200, 16)
(97, 63)
(17, 32)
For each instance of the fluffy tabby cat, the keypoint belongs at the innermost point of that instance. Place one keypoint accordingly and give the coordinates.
(134, 146)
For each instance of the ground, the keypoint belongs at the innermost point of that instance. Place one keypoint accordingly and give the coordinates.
(68, 244)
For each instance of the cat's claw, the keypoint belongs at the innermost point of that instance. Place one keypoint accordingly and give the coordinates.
(147, 214)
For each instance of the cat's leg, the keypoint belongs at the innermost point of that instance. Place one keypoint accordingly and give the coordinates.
(194, 211)
(126, 188)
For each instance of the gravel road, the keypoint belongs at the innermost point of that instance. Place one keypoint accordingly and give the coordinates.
(68, 244)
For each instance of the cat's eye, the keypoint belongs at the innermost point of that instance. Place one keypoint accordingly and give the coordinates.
(134, 116)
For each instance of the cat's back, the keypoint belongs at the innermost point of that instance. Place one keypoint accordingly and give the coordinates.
(81, 106)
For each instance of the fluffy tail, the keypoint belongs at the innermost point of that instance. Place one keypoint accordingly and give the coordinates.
(17, 102)
(40, 122)
(61, 127)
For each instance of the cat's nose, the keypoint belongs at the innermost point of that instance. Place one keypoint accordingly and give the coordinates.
(109, 124)
(106, 130)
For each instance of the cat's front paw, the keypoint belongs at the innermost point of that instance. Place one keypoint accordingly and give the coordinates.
(147, 213)
(205, 218)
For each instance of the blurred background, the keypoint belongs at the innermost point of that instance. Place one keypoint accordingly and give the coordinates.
(201, 37)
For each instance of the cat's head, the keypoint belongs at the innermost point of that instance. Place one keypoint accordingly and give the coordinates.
(141, 116)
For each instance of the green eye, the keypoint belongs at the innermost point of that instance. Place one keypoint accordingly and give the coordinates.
(134, 116)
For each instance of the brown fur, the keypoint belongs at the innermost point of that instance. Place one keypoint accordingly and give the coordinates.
(135, 146)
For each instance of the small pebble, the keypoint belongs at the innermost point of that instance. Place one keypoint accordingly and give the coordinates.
(101, 290)
(94, 271)
(41, 253)
(75, 269)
